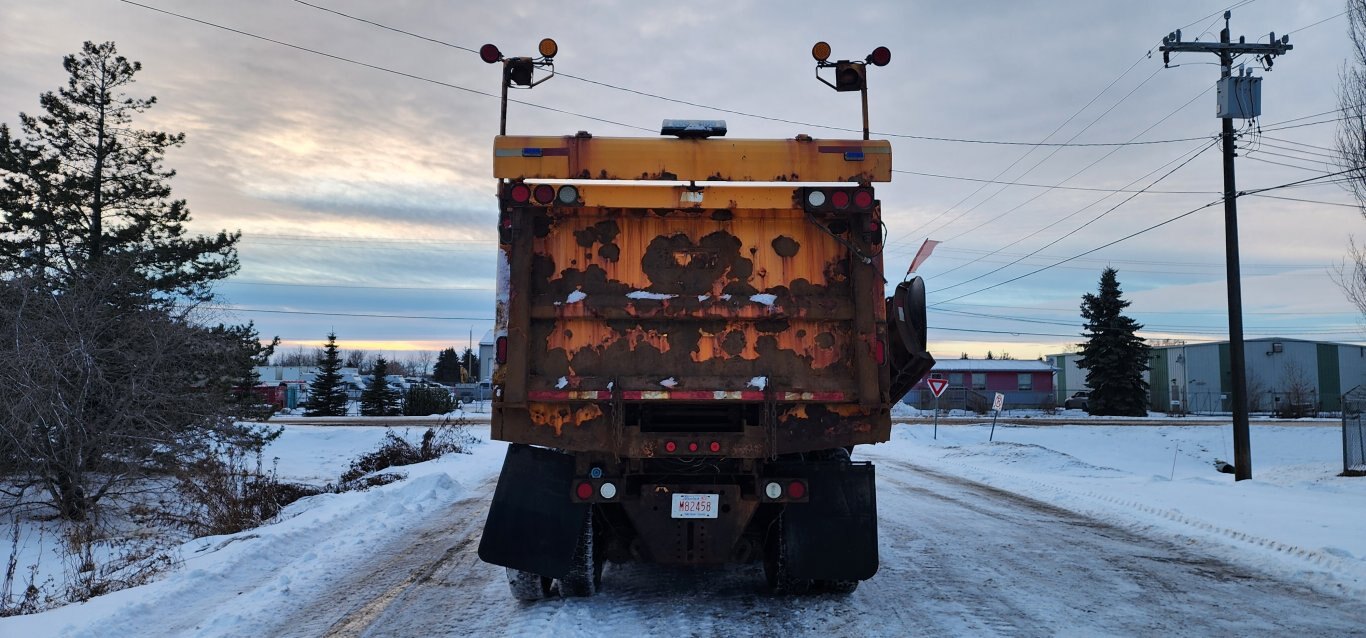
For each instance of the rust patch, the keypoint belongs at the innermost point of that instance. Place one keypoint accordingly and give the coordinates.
(603, 232)
(785, 246)
(714, 258)
(558, 415)
(734, 343)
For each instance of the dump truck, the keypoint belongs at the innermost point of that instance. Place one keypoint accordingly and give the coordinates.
(692, 335)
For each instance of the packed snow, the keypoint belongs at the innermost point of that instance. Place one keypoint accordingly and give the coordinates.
(1296, 519)
(645, 294)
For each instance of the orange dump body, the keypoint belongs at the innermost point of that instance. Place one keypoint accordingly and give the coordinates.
(734, 317)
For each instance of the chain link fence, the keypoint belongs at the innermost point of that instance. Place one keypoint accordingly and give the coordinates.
(1354, 433)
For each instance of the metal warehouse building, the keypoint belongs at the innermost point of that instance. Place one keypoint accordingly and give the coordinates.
(1288, 377)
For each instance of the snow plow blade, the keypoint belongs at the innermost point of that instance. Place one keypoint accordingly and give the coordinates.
(911, 359)
(533, 526)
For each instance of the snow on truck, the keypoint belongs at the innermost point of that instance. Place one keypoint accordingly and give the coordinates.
(692, 335)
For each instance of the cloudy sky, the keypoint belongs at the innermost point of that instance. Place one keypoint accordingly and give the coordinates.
(364, 192)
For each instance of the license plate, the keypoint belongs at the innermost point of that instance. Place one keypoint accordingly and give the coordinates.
(695, 505)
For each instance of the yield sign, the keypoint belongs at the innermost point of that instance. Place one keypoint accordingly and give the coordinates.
(937, 386)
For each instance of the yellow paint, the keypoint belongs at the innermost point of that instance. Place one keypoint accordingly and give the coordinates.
(719, 159)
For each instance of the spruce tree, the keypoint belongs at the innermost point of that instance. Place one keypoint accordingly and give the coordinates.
(327, 392)
(82, 184)
(447, 368)
(1114, 356)
(380, 399)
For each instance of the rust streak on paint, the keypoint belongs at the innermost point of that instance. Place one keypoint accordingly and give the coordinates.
(558, 415)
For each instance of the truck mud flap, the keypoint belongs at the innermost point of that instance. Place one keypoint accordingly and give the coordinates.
(532, 524)
(834, 536)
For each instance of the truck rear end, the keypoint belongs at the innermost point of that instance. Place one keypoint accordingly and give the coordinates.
(692, 335)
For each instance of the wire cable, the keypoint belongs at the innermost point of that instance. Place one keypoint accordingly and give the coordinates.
(1140, 232)
(1198, 152)
(384, 69)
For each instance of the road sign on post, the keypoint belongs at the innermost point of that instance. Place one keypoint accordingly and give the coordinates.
(937, 387)
(996, 405)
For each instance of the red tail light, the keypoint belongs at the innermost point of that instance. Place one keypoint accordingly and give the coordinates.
(839, 199)
(544, 193)
(715, 446)
(584, 490)
(863, 199)
(879, 352)
(519, 193)
(670, 446)
(692, 447)
(500, 350)
(796, 490)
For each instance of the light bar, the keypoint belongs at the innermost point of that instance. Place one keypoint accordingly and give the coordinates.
(693, 129)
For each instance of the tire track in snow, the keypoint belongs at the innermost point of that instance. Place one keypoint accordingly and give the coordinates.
(1342, 576)
(1073, 574)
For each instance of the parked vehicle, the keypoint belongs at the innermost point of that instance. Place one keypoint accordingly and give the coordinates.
(1078, 400)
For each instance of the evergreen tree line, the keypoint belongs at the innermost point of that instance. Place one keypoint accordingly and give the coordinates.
(328, 396)
(446, 367)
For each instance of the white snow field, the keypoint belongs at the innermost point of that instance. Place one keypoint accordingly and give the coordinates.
(1049, 530)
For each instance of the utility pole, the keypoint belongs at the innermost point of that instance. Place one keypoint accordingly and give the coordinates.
(1232, 89)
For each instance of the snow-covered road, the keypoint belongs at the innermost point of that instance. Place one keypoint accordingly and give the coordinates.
(1061, 530)
(958, 558)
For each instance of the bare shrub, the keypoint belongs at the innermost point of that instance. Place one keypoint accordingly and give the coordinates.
(451, 437)
(228, 490)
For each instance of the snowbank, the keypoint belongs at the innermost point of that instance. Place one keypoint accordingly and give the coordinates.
(1296, 517)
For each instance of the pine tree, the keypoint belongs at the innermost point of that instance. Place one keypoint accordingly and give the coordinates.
(1114, 356)
(327, 393)
(447, 368)
(990, 357)
(81, 184)
(380, 399)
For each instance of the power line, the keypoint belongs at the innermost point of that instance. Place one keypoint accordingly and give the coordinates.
(1093, 220)
(1310, 201)
(359, 286)
(1061, 188)
(1145, 230)
(1296, 313)
(1143, 262)
(1055, 152)
(769, 118)
(239, 309)
(381, 68)
(607, 85)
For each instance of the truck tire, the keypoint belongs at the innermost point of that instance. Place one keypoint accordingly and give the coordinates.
(585, 573)
(527, 586)
(780, 581)
(838, 586)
